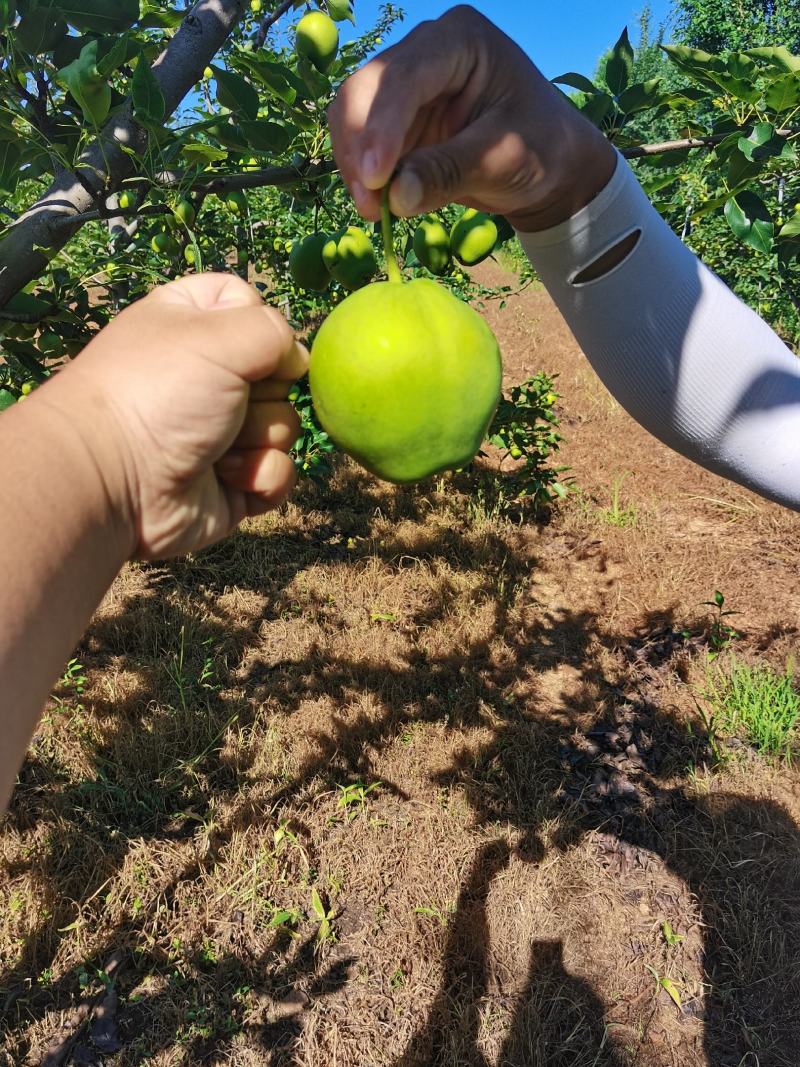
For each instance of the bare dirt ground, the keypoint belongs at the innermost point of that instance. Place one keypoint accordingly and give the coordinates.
(472, 748)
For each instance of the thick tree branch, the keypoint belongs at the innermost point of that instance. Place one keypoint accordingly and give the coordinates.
(104, 164)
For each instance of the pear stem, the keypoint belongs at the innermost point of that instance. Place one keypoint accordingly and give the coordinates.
(392, 265)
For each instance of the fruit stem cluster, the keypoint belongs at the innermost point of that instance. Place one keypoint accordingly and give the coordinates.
(392, 265)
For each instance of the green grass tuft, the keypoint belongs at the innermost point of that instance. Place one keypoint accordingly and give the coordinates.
(756, 704)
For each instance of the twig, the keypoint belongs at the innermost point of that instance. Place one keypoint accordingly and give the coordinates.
(269, 22)
(639, 151)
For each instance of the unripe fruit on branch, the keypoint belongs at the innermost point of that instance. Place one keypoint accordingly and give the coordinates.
(473, 238)
(185, 213)
(306, 264)
(317, 39)
(164, 244)
(350, 258)
(432, 245)
(236, 202)
(406, 379)
(404, 376)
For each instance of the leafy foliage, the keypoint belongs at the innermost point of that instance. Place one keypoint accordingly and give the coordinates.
(734, 197)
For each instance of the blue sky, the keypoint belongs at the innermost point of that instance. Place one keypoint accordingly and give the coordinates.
(559, 36)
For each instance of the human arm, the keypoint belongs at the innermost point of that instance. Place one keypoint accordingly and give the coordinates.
(458, 111)
(168, 430)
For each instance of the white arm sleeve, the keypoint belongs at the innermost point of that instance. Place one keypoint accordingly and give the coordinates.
(685, 357)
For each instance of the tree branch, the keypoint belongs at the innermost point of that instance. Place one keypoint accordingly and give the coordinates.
(255, 179)
(104, 164)
(269, 22)
(642, 150)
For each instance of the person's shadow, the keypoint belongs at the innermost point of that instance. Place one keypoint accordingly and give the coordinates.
(740, 860)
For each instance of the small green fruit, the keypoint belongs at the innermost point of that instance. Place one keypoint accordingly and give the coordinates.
(208, 74)
(406, 379)
(432, 245)
(236, 202)
(28, 387)
(256, 6)
(317, 39)
(185, 213)
(350, 258)
(473, 237)
(306, 264)
(164, 244)
(190, 255)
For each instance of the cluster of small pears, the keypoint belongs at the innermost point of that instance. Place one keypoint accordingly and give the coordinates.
(349, 258)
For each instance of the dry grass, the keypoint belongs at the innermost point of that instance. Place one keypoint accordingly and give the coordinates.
(477, 685)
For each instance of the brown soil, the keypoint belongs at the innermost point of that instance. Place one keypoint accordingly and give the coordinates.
(522, 703)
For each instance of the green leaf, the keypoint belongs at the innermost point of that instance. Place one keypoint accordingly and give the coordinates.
(620, 65)
(112, 53)
(777, 56)
(274, 77)
(577, 81)
(597, 108)
(671, 990)
(316, 83)
(750, 220)
(265, 136)
(8, 12)
(641, 96)
(40, 31)
(68, 49)
(229, 135)
(700, 65)
(339, 10)
(792, 227)
(9, 165)
(740, 65)
(236, 93)
(7, 399)
(151, 17)
(148, 100)
(318, 906)
(784, 93)
(765, 143)
(82, 78)
(197, 152)
(95, 16)
(23, 303)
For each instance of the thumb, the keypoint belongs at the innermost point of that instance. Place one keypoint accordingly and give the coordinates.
(429, 178)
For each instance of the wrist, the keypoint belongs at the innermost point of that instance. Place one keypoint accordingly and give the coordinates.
(565, 186)
(83, 426)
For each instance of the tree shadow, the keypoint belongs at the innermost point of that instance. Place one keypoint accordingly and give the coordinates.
(728, 850)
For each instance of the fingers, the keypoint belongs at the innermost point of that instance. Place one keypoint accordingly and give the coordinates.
(377, 108)
(207, 291)
(434, 176)
(269, 424)
(268, 475)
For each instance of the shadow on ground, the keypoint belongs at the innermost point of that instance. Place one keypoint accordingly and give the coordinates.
(740, 859)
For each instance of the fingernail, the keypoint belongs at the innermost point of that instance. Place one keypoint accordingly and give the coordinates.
(370, 166)
(407, 193)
